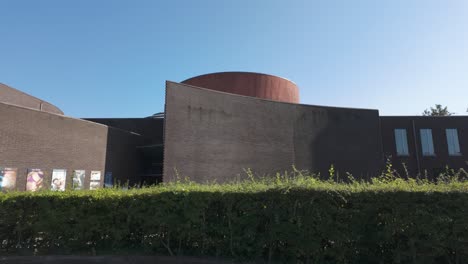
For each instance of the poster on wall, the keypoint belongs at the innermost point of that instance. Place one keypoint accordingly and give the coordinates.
(58, 180)
(8, 179)
(95, 180)
(78, 179)
(108, 181)
(34, 180)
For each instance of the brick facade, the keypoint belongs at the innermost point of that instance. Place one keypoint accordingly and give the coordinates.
(213, 133)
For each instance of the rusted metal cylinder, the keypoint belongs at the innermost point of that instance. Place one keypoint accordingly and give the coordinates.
(249, 84)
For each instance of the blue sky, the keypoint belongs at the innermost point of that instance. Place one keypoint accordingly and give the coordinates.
(110, 58)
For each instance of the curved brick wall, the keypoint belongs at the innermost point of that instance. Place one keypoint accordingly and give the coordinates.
(214, 136)
(249, 84)
(12, 96)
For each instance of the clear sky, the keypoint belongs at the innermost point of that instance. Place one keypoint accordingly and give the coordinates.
(110, 58)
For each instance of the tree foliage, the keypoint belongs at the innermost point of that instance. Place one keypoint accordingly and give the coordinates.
(438, 110)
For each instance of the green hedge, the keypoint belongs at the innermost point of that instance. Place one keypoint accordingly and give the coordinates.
(305, 221)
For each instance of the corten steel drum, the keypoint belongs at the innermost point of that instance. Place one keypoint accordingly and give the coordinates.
(249, 84)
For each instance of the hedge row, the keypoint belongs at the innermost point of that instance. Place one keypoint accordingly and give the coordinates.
(287, 221)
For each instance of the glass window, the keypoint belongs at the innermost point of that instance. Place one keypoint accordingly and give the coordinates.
(401, 142)
(452, 141)
(426, 142)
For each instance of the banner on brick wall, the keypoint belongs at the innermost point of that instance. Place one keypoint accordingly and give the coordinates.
(78, 179)
(34, 180)
(8, 179)
(59, 177)
(95, 180)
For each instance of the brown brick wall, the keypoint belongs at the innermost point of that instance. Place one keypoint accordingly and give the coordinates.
(34, 139)
(427, 164)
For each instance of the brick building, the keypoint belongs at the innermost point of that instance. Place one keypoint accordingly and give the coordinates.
(215, 126)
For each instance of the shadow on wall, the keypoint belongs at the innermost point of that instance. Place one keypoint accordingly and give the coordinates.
(348, 139)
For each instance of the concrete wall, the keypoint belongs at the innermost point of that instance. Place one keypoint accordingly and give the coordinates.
(12, 96)
(31, 139)
(212, 135)
(416, 162)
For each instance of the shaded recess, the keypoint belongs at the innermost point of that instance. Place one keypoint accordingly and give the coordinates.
(147, 154)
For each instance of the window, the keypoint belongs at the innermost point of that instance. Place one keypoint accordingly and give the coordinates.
(452, 142)
(426, 142)
(401, 142)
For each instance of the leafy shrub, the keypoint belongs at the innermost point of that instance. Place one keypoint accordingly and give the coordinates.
(290, 218)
